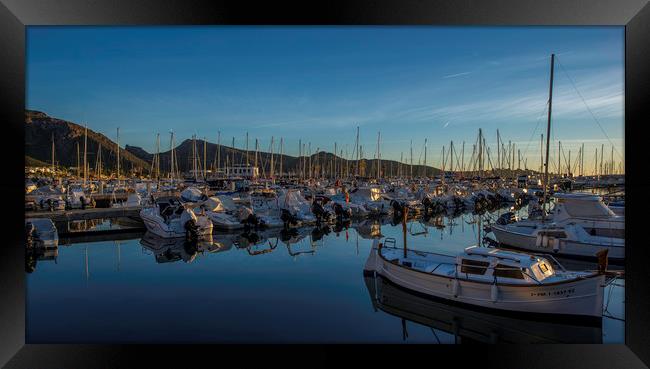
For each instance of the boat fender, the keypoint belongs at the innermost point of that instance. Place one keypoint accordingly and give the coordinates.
(455, 288)
(556, 244)
(494, 294)
(538, 241)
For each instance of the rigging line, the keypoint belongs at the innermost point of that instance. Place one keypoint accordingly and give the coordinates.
(539, 119)
(589, 109)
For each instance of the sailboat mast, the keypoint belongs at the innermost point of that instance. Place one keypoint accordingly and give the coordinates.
(411, 169)
(281, 154)
(52, 153)
(548, 133)
(85, 154)
(219, 151)
(358, 154)
(117, 144)
(425, 159)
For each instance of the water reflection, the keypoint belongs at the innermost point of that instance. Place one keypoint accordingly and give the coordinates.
(313, 289)
(467, 325)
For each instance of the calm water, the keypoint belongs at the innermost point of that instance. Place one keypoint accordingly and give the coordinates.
(306, 287)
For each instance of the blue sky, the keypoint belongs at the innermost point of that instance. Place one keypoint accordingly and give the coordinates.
(318, 83)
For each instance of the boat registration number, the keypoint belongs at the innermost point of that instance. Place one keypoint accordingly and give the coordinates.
(556, 293)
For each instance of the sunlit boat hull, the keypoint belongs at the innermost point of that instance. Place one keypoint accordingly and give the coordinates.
(574, 299)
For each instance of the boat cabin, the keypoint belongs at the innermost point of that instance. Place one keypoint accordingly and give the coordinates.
(580, 205)
(503, 266)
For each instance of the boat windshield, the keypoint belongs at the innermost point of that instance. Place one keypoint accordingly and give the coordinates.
(595, 209)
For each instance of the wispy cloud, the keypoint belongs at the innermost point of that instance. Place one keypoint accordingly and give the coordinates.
(457, 75)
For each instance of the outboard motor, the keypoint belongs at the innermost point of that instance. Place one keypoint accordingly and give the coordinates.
(428, 205)
(188, 219)
(82, 199)
(320, 212)
(288, 218)
(506, 218)
(191, 230)
(342, 214)
(398, 208)
(252, 221)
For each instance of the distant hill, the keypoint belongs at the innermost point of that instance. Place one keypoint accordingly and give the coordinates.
(31, 162)
(321, 161)
(40, 128)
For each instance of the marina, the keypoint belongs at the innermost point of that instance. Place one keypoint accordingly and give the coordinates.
(503, 220)
(255, 286)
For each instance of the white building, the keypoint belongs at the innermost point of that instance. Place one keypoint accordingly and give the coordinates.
(246, 171)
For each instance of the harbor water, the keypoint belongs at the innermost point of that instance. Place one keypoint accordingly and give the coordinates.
(272, 287)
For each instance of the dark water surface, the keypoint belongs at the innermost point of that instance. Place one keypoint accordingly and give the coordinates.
(308, 288)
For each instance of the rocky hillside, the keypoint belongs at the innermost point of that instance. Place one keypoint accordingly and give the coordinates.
(41, 128)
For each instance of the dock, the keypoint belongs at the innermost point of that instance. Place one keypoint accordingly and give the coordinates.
(86, 214)
(70, 238)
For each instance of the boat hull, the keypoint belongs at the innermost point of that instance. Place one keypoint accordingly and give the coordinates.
(581, 298)
(566, 248)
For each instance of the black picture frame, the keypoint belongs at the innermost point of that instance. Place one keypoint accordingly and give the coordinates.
(16, 14)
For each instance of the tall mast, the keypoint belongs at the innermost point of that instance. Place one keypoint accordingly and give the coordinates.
(281, 154)
(443, 166)
(559, 156)
(52, 153)
(98, 171)
(247, 161)
(548, 134)
(158, 156)
(205, 150)
(602, 147)
(78, 158)
(462, 161)
(451, 154)
(425, 159)
(85, 153)
(411, 169)
(271, 169)
(378, 157)
(117, 144)
(256, 149)
(357, 149)
(219, 151)
(541, 153)
(498, 150)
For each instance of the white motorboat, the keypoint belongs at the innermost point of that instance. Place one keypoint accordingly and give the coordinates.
(495, 279)
(579, 225)
(371, 199)
(77, 199)
(293, 205)
(169, 218)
